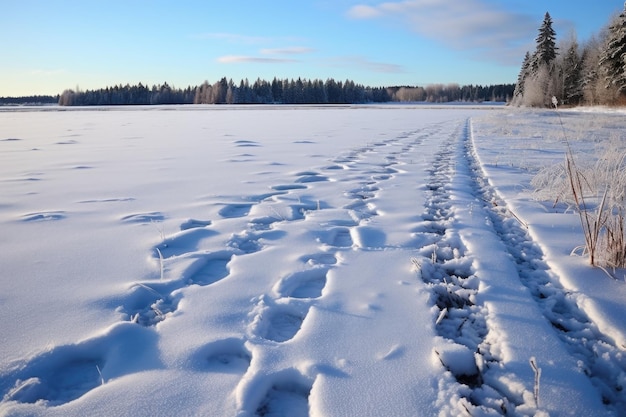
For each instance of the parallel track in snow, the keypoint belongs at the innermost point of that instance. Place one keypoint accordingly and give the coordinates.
(446, 268)
(598, 355)
(445, 265)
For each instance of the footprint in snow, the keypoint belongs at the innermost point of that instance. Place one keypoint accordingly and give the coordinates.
(43, 216)
(366, 237)
(319, 259)
(250, 242)
(182, 242)
(209, 269)
(150, 217)
(286, 394)
(107, 200)
(339, 237)
(303, 284)
(289, 399)
(283, 325)
(278, 322)
(194, 223)
(363, 193)
(68, 142)
(228, 356)
(334, 167)
(60, 384)
(66, 373)
(362, 209)
(289, 187)
(308, 177)
(235, 210)
(149, 303)
(246, 144)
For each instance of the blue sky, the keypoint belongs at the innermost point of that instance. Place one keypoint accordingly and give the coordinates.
(51, 45)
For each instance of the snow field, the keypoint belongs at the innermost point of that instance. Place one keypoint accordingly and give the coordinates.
(290, 261)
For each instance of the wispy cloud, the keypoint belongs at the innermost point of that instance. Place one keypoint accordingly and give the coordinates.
(238, 38)
(270, 56)
(232, 59)
(476, 26)
(360, 62)
(47, 72)
(233, 38)
(294, 50)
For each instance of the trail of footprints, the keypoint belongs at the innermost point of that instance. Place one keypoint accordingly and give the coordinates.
(278, 319)
(67, 372)
(442, 263)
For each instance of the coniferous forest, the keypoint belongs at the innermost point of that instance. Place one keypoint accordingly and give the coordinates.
(29, 100)
(285, 91)
(590, 74)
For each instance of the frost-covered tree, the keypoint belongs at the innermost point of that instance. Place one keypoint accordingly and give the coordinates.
(571, 73)
(536, 88)
(521, 79)
(538, 79)
(613, 56)
(67, 98)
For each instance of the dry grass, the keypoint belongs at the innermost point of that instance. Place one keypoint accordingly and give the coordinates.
(597, 193)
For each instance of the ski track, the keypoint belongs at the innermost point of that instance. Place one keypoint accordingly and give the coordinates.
(65, 373)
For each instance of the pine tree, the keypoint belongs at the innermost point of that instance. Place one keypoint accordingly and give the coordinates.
(613, 57)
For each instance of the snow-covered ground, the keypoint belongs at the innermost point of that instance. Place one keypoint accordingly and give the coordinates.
(294, 261)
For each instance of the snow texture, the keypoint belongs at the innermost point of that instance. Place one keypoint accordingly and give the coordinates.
(300, 261)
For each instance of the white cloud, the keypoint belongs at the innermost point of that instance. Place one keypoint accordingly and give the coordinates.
(47, 72)
(233, 37)
(487, 29)
(363, 11)
(231, 59)
(294, 50)
(238, 38)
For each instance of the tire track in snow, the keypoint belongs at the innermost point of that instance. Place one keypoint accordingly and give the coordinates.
(598, 356)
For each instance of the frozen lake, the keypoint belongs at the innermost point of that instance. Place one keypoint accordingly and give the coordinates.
(299, 260)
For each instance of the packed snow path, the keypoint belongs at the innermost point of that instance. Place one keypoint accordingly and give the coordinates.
(340, 291)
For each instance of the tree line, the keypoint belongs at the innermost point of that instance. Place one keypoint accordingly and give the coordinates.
(283, 91)
(128, 95)
(28, 100)
(590, 74)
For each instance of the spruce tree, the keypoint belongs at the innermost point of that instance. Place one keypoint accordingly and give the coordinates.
(613, 57)
(546, 44)
(572, 75)
(521, 78)
(536, 75)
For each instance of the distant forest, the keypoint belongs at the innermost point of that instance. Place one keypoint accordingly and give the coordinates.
(286, 91)
(26, 100)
